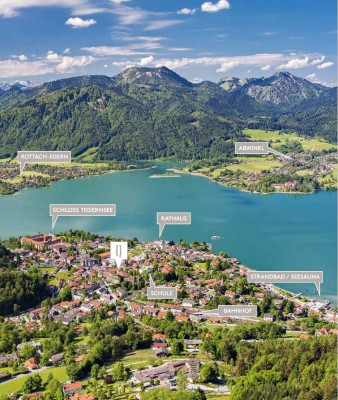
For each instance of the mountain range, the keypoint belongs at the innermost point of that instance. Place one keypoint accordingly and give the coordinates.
(145, 113)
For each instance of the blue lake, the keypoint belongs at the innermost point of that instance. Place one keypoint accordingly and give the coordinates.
(279, 231)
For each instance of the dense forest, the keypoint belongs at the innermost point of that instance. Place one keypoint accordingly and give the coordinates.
(288, 370)
(20, 290)
(148, 114)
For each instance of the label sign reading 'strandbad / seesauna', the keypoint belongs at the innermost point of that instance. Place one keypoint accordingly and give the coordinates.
(160, 292)
(172, 218)
(40, 157)
(315, 277)
(81, 210)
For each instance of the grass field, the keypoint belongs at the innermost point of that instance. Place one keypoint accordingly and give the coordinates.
(280, 138)
(254, 164)
(304, 172)
(49, 270)
(88, 155)
(15, 385)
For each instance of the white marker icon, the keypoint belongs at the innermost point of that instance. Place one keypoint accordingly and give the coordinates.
(118, 252)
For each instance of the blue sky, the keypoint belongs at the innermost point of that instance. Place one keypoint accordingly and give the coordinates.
(49, 39)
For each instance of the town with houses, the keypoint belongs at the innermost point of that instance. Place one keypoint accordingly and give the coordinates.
(84, 283)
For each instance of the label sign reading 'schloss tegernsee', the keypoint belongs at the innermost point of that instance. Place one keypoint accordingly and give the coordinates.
(41, 157)
(172, 218)
(315, 277)
(81, 210)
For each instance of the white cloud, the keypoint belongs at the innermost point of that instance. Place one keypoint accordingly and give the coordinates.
(66, 51)
(226, 66)
(215, 7)
(154, 25)
(106, 65)
(311, 77)
(51, 55)
(187, 11)
(68, 64)
(180, 48)
(51, 63)
(132, 15)
(317, 60)
(15, 68)
(295, 63)
(146, 60)
(77, 22)
(118, 1)
(197, 80)
(20, 57)
(266, 67)
(325, 65)
(224, 63)
(11, 8)
(269, 33)
(105, 51)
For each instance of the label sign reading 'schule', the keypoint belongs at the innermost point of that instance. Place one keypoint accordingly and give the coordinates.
(81, 210)
(160, 292)
(315, 277)
(172, 218)
(40, 157)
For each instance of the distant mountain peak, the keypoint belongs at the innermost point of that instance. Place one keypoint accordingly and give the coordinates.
(151, 76)
(282, 88)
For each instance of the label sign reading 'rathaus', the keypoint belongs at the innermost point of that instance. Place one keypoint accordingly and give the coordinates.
(172, 218)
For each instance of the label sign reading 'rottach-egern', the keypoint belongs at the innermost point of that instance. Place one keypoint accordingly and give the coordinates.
(81, 210)
(160, 292)
(172, 218)
(315, 277)
(40, 157)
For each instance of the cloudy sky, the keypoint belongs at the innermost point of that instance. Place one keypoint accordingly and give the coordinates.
(48, 39)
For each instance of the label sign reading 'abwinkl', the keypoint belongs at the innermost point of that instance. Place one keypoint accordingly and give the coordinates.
(40, 157)
(160, 292)
(251, 147)
(81, 210)
(172, 218)
(315, 277)
(256, 148)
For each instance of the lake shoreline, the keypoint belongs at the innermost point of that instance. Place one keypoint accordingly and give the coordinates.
(178, 171)
(51, 183)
